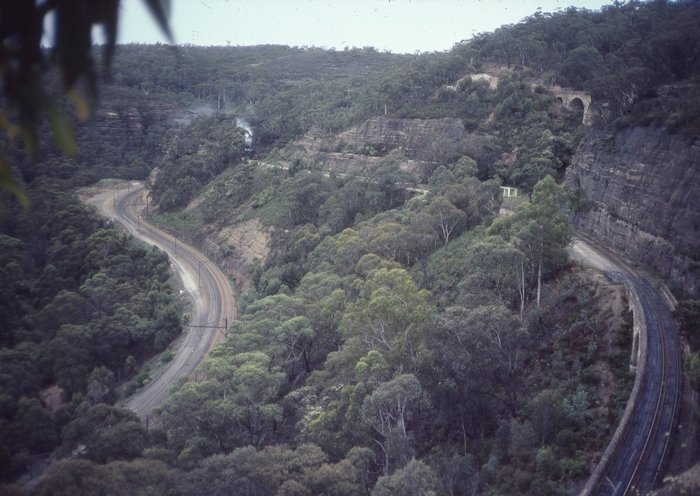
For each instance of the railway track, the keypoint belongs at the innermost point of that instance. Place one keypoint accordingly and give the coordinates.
(635, 459)
(644, 446)
(213, 305)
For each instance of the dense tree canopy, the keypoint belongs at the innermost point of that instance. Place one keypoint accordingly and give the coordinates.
(86, 300)
(400, 337)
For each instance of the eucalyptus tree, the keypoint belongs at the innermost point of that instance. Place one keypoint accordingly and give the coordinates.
(540, 230)
(389, 410)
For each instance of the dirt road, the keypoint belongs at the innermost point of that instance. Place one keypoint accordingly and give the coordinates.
(213, 304)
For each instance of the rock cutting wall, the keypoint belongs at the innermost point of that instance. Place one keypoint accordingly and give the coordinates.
(643, 188)
(421, 141)
(118, 125)
(417, 138)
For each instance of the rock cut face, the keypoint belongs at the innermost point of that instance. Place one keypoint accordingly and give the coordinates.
(643, 185)
(421, 142)
(415, 137)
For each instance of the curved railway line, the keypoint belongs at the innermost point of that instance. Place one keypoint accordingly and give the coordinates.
(213, 304)
(635, 458)
(643, 449)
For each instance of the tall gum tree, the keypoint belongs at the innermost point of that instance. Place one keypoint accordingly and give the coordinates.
(540, 230)
(390, 317)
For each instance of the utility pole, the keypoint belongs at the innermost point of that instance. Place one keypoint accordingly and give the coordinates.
(139, 216)
(214, 325)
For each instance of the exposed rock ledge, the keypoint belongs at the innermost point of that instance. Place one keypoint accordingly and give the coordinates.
(424, 141)
(643, 186)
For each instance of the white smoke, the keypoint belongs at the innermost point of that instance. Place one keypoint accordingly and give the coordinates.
(245, 125)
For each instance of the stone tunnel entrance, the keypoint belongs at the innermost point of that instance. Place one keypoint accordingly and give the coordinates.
(577, 106)
(577, 101)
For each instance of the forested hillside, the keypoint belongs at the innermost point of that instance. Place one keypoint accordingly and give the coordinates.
(402, 329)
(82, 307)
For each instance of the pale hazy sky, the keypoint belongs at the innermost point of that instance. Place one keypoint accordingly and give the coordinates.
(400, 26)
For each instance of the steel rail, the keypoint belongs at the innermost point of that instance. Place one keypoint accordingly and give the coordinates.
(212, 295)
(636, 456)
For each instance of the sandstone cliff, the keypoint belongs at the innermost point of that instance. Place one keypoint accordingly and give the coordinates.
(118, 124)
(642, 185)
(422, 139)
(424, 142)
